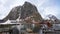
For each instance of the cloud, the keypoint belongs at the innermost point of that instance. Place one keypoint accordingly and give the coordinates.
(50, 10)
(49, 7)
(44, 7)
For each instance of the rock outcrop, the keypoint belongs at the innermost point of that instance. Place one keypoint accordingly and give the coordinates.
(24, 11)
(29, 9)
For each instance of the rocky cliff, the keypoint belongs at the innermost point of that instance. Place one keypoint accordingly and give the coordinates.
(26, 10)
(29, 9)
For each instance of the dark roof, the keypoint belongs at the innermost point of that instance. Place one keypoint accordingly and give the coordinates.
(2, 21)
